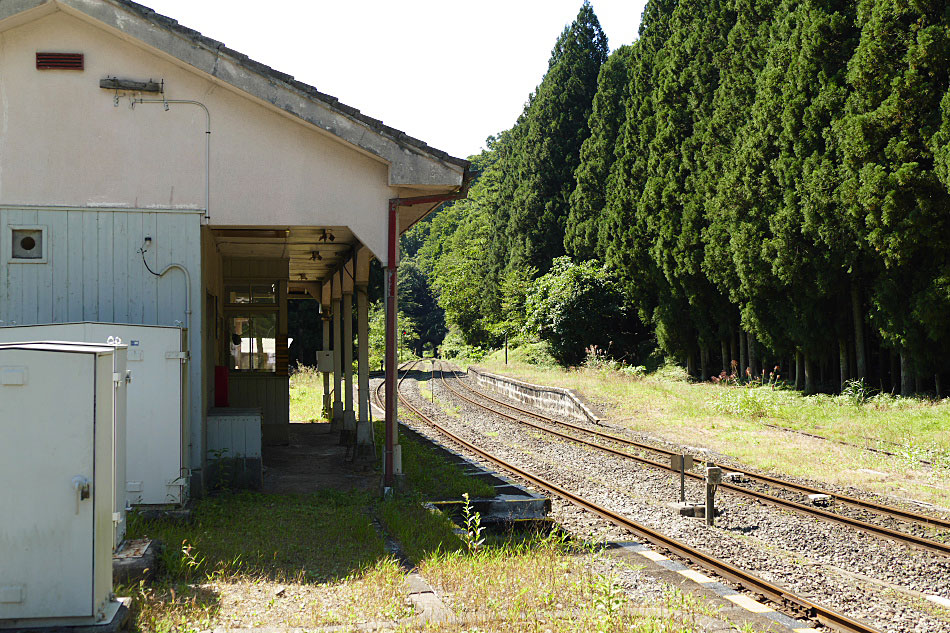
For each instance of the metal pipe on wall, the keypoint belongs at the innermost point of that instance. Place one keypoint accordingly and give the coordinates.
(165, 102)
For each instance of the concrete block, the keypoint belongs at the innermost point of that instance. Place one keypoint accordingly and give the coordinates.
(135, 560)
(692, 510)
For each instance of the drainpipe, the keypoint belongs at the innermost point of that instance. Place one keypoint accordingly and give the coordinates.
(392, 269)
(165, 103)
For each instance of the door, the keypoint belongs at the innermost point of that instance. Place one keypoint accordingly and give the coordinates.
(47, 422)
(153, 421)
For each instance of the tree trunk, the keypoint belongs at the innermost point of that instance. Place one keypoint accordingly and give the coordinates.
(937, 386)
(907, 375)
(918, 382)
(691, 364)
(809, 367)
(743, 353)
(703, 358)
(859, 349)
(843, 361)
(753, 361)
(724, 344)
(894, 371)
(799, 371)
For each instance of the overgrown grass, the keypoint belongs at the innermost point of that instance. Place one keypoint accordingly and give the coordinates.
(252, 559)
(551, 583)
(306, 394)
(429, 474)
(733, 419)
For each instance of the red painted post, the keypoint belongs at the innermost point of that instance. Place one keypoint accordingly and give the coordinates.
(392, 368)
(392, 306)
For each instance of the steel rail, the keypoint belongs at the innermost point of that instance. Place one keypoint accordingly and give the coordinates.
(906, 515)
(723, 569)
(870, 528)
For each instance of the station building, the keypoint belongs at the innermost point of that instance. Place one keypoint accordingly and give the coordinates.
(152, 176)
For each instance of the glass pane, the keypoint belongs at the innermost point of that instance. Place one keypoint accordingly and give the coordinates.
(238, 294)
(253, 342)
(264, 294)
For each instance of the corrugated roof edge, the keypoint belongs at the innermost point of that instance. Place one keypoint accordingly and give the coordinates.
(380, 127)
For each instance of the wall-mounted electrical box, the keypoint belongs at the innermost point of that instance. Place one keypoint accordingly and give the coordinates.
(155, 439)
(325, 361)
(57, 420)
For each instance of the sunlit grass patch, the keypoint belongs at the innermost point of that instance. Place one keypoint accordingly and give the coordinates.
(306, 394)
(734, 420)
(255, 559)
(429, 474)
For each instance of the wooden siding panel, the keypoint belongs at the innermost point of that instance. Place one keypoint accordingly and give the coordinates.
(14, 273)
(136, 300)
(90, 265)
(149, 281)
(5, 299)
(124, 258)
(106, 256)
(94, 271)
(74, 270)
(59, 251)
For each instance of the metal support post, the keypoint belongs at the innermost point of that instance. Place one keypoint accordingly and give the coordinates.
(364, 427)
(682, 463)
(713, 478)
(389, 460)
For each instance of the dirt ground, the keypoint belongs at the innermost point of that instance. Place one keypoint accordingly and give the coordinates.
(315, 460)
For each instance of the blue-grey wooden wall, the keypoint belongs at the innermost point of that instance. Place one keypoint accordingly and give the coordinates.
(94, 272)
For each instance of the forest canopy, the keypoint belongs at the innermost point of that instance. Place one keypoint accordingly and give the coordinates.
(758, 181)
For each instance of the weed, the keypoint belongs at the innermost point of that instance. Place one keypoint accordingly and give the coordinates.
(856, 391)
(747, 402)
(430, 474)
(473, 526)
(609, 600)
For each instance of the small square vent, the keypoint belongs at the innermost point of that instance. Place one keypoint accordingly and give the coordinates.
(60, 61)
(28, 244)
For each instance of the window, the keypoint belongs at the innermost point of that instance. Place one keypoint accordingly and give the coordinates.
(251, 313)
(252, 293)
(253, 341)
(28, 244)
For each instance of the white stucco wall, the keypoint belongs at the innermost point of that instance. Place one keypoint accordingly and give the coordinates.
(63, 143)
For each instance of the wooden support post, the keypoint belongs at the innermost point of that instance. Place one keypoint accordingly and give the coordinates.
(392, 369)
(337, 356)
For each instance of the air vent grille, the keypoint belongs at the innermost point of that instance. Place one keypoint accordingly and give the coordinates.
(60, 61)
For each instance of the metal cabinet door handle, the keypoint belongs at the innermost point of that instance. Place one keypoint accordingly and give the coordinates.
(81, 486)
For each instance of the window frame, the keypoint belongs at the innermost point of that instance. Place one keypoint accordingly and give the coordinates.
(44, 243)
(247, 309)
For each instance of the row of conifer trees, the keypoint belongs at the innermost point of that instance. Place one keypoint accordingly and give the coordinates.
(767, 178)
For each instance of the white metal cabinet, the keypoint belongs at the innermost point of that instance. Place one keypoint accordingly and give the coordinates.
(56, 529)
(156, 438)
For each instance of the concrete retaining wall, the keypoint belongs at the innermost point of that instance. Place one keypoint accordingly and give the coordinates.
(557, 401)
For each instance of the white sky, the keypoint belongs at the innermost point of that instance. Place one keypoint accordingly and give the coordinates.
(445, 71)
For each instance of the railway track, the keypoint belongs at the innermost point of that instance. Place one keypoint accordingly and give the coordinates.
(748, 581)
(913, 540)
